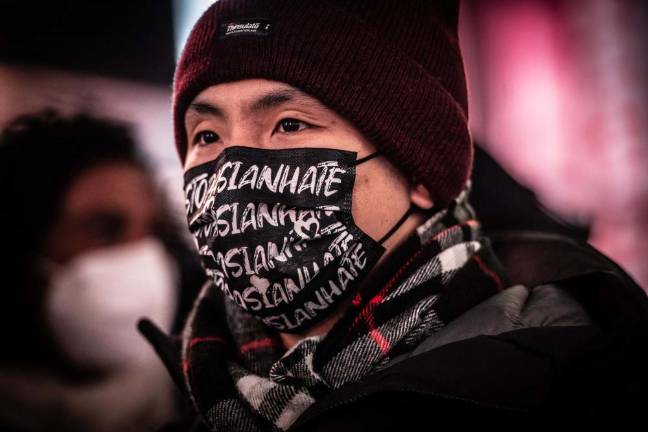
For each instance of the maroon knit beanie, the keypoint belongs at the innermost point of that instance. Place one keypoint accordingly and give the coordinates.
(392, 68)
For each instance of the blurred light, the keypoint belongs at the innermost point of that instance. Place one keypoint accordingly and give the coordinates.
(185, 15)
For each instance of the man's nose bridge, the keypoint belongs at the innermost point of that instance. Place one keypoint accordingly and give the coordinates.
(247, 131)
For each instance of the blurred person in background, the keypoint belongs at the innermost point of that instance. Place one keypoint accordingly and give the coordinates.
(331, 139)
(89, 248)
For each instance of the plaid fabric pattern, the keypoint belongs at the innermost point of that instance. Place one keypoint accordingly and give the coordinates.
(241, 378)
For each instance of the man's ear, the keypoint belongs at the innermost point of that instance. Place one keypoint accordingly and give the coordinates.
(420, 196)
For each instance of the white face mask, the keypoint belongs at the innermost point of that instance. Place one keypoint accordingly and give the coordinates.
(95, 301)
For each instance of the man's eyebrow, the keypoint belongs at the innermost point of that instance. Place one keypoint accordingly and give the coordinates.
(267, 101)
(206, 108)
(275, 98)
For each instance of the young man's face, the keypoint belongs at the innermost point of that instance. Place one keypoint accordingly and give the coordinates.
(273, 115)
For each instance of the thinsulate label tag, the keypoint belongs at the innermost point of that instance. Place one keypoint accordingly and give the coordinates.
(251, 27)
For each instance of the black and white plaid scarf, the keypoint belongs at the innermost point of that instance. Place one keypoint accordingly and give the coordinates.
(240, 376)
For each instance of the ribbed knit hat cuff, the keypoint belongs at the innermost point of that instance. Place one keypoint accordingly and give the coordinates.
(396, 103)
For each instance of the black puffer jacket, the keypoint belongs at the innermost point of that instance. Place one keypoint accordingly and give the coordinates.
(575, 347)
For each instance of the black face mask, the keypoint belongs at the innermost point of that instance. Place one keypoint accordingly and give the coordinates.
(275, 232)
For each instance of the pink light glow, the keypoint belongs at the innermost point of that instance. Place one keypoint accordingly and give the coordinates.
(559, 98)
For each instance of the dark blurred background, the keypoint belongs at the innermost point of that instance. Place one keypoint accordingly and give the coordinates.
(131, 40)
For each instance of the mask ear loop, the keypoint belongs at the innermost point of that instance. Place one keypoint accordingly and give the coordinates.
(398, 224)
(405, 215)
(366, 158)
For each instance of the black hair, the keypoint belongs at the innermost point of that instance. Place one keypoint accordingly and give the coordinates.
(40, 156)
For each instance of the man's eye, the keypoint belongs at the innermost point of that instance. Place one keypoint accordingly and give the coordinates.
(290, 125)
(205, 138)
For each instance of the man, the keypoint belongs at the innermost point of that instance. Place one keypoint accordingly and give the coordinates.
(327, 163)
